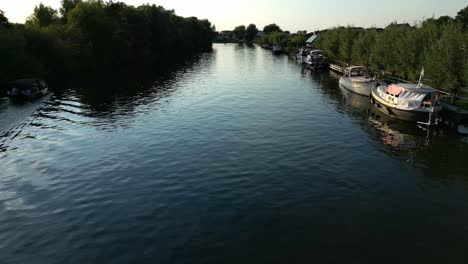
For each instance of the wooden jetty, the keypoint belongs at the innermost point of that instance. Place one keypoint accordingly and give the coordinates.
(337, 66)
(453, 114)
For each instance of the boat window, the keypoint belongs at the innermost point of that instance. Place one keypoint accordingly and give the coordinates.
(428, 97)
(358, 73)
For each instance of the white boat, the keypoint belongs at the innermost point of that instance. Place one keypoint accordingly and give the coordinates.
(407, 101)
(316, 59)
(277, 49)
(302, 55)
(357, 79)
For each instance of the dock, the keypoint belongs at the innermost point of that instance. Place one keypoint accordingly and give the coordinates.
(337, 66)
(455, 114)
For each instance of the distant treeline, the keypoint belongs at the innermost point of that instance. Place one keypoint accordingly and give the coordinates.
(439, 45)
(90, 38)
(271, 34)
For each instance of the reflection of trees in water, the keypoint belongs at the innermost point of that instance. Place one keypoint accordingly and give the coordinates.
(112, 99)
(445, 159)
(439, 151)
(328, 85)
(394, 133)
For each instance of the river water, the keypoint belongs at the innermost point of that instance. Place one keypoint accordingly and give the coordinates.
(237, 157)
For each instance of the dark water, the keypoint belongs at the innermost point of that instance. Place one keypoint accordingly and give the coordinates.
(239, 157)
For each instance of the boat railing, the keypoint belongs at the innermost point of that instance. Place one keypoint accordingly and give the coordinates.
(339, 63)
(443, 95)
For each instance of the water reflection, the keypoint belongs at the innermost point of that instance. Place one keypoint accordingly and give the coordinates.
(400, 139)
(392, 133)
(354, 100)
(108, 99)
(240, 151)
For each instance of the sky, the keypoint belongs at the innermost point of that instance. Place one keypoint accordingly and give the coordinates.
(290, 15)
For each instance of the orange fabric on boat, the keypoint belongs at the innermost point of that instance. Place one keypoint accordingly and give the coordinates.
(394, 90)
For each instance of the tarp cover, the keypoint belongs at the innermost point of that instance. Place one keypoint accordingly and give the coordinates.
(409, 100)
(394, 89)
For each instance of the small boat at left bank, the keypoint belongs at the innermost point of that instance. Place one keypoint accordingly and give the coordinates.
(27, 89)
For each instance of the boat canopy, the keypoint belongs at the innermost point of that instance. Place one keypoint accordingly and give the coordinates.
(406, 96)
(356, 71)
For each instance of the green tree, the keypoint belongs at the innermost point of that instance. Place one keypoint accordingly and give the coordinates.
(462, 16)
(275, 38)
(347, 37)
(251, 33)
(271, 28)
(3, 19)
(297, 41)
(387, 48)
(363, 47)
(43, 16)
(329, 41)
(445, 60)
(239, 32)
(67, 6)
(99, 38)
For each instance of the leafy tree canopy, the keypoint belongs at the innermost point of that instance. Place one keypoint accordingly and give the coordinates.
(271, 28)
(251, 32)
(239, 32)
(3, 18)
(67, 6)
(463, 16)
(43, 16)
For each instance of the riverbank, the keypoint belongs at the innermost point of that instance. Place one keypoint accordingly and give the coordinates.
(403, 50)
(122, 39)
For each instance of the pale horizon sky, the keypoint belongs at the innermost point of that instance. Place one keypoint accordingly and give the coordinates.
(290, 15)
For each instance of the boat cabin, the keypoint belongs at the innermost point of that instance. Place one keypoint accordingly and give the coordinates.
(356, 71)
(317, 53)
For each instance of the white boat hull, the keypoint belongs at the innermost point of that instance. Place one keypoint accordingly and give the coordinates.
(358, 86)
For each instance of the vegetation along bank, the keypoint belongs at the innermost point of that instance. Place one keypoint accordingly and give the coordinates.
(89, 38)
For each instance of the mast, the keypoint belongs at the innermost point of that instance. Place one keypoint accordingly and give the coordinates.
(421, 78)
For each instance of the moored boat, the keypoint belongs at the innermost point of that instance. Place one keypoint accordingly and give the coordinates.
(277, 49)
(302, 55)
(357, 79)
(316, 59)
(27, 89)
(407, 101)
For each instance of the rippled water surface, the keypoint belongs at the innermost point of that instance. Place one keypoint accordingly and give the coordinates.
(238, 157)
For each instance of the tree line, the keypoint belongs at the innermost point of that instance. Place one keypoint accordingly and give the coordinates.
(439, 45)
(247, 34)
(272, 34)
(90, 38)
